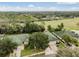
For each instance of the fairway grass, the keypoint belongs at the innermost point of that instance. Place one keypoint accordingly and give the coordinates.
(69, 24)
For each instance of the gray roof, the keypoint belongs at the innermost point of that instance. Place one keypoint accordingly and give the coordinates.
(18, 38)
(50, 36)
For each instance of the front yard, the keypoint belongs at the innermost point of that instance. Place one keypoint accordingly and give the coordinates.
(27, 52)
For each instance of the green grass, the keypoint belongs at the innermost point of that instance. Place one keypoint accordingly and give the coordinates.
(69, 24)
(28, 51)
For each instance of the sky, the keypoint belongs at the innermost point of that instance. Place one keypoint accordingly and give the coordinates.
(39, 6)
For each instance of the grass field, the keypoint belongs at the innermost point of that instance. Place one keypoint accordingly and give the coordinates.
(69, 24)
(28, 51)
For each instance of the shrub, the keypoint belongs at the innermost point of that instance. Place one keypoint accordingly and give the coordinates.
(61, 45)
(70, 40)
(2, 30)
(60, 27)
(50, 29)
(75, 42)
(38, 40)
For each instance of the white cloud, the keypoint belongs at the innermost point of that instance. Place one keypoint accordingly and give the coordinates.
(66, 2)
(29, 8)
(8, 8)
(18, 8)
(31, 5)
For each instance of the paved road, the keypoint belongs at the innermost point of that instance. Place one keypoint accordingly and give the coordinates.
(52, 49)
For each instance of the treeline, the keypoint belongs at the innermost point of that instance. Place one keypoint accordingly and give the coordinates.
(37, 15)
(14, 28)
(65, 14)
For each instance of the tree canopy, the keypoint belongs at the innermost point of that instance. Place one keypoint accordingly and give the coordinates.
(38, 40)
(6, 46)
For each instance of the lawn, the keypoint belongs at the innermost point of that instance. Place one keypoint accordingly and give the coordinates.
(28, 51)
(69, 24)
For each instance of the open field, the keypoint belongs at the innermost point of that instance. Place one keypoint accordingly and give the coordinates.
(69, 24)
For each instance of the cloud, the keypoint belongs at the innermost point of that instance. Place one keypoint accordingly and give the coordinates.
(66, 3)
(28, 8)
(33, 8)
(30, 5)
(8, 8)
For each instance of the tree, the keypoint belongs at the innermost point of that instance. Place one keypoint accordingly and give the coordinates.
(50, 29)
(2, 29)
(38, 40)
(32, 27)
(14, 28)
(60, 27)
(6, 46)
